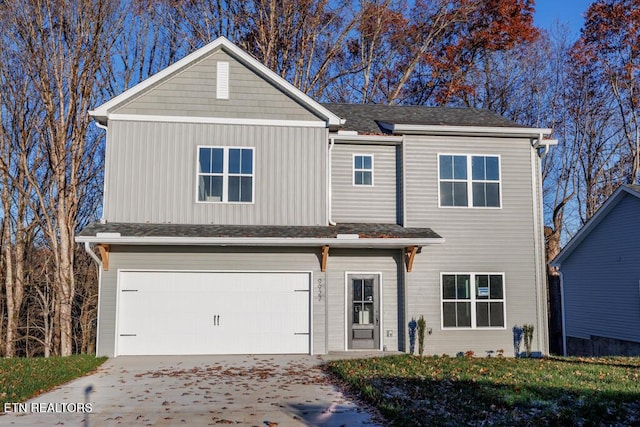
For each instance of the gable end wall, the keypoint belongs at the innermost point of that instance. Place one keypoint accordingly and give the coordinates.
(601, 278)
(192, 93)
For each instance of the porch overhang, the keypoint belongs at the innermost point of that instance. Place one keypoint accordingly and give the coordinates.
(372, 243)
(352, 236)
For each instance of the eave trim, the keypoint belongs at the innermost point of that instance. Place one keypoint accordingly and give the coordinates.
(264, 241)
(399, 128)
(216, 120)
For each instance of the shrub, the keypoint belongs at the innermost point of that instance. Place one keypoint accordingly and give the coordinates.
(422, 327)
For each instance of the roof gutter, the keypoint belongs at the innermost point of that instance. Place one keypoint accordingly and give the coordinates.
(263, 241)
(399, 128)
(367, 139)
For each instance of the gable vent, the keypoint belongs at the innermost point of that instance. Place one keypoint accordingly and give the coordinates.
(222, 80)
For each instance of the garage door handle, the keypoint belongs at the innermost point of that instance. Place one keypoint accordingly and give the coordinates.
(301, 333)
(128, 335)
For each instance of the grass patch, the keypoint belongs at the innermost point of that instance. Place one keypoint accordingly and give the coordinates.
(416, 391)
(24, 378)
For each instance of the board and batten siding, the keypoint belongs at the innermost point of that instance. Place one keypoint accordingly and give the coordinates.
(206, 259)
(192, 93)
(601, 278)
(387, 262)
(378, 203)
(151, 174)
(478, 240)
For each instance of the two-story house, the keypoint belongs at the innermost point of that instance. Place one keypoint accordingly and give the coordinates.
(241, 216)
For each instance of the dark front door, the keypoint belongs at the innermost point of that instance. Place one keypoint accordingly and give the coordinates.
(363, 325)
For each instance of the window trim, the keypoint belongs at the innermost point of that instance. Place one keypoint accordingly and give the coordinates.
(469, 180)
(473, 301)
(354, 170)
(225, 174)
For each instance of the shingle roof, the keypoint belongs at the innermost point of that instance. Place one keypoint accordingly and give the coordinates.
(364, 118)
(215, 230)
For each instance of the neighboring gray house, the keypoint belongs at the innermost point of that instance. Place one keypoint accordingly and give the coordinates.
(600, 277)
(241, 216)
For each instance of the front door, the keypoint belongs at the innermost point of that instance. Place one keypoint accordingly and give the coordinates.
(363, 323)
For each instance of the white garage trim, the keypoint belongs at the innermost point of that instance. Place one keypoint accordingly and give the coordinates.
(202, 278)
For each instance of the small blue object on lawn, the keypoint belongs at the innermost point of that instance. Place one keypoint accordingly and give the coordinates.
(413, 325)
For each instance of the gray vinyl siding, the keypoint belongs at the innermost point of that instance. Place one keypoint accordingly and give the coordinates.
(192, 93)
(151, 174)
(206, 259)
(378, 203)
(601, 278)
(477, 241)
(342, 261)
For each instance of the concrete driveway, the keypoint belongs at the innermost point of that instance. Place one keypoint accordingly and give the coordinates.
(199, 390)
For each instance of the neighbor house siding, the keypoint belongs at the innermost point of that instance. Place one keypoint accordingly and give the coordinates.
(601, 278)
(477, 240)
(386, 262)
(362, 203)
(152, 174)
(206, 259)
(192, 93)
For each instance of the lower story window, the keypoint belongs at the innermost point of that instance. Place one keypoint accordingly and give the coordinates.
(473, 300)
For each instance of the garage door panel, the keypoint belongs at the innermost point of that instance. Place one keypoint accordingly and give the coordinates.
(213, 313)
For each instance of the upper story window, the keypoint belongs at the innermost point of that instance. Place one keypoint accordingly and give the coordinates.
(362, 169)
(473, 300)
(469, 181)
(225, 174)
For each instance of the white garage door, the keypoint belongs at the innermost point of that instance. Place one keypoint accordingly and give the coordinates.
(212, 313)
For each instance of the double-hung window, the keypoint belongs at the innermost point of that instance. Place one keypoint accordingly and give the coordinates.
(225, 174)
(473, 300)
(469, 181)
(362, 169)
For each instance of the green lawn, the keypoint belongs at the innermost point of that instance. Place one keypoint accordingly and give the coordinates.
(23, 378)
(413, 391)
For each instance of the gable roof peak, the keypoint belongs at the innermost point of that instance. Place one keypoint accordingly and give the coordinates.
(101, 113)
(589, 226)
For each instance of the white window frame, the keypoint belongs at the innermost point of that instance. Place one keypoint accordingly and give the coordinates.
(354, 170)
(473, 300)
(226, 174)
(470, 181)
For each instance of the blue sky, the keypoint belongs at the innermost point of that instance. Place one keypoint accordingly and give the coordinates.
(570, 12)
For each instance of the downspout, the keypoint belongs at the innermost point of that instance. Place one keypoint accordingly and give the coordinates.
(104, 181)
(329, 196)
(93, 255)
(539, 258)
(564, 326)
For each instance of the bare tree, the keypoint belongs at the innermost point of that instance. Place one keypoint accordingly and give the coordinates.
(611, 40)
(62, 46)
